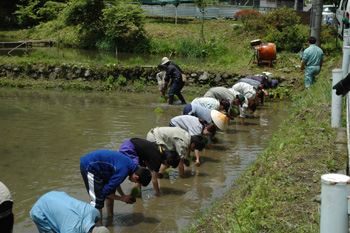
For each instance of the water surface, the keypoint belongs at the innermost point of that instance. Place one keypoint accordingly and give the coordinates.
(43, 133)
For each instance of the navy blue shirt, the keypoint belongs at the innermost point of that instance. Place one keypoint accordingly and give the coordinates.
(112, 166)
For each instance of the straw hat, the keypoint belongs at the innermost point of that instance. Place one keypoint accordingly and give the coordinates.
(165, 60)
(220, 120)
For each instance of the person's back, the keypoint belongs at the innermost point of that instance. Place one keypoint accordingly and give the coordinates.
(200, 112)
(252, 82)
(59, 212)
(189, 123)
(245, 89)
(113, 167)
(172, 138)
(207, 102)
(220, 93)
(313, 55)
(142, 151)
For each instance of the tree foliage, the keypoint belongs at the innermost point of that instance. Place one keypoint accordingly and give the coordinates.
(246, 15)
(122, 18)
(32, 12)
(84, 13)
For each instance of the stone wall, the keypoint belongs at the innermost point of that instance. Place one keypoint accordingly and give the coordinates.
(131, 73)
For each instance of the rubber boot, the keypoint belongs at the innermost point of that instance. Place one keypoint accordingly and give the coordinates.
(171, 99)
(183, 101)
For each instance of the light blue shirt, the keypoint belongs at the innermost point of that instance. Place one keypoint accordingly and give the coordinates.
(313, 55)
(59, 212)
(207, 102)
(201, 112)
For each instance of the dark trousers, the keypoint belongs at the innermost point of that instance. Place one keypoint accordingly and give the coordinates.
(175, 89)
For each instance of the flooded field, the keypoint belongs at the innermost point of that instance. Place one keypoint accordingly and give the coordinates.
(44, 133)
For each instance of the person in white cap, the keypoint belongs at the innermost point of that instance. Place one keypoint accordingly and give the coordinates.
(58, 212)
(6, 215)
(173, 80)
(175, 138)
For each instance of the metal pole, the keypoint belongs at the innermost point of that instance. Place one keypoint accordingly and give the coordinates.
(334, 203)
(337, 75)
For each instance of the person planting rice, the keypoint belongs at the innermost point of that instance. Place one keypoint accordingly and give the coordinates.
(149, 154)
(175, 138)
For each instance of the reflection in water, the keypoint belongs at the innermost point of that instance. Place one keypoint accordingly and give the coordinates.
(44, 133)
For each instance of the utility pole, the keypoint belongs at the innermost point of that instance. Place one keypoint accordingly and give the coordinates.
(316, 20)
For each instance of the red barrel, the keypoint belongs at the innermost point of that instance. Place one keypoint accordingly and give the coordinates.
(267, 51)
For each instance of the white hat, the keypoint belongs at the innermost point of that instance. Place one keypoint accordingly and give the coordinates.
(100, 229)
(165, 60)
(220, 120)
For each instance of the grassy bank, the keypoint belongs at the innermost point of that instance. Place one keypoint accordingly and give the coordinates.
(277, 193)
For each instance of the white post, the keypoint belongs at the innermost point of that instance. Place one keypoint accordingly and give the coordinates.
(334, 203)
(336, 100)
(175, 15)
(345, 62)
(346, 35)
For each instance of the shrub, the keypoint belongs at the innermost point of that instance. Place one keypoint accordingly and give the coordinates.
(246, 15)
(290, 39)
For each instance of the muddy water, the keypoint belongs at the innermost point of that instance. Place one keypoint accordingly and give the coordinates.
(44, 133)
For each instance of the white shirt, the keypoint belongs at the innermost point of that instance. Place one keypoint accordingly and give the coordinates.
(245, 89)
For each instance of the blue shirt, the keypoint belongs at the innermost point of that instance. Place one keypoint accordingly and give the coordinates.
(201, 112)
(112, 166)
(62, 213)
(313, 55)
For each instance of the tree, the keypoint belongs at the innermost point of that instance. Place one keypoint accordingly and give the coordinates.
(202, 4)
(32, 12)
(122, 18)
(84, 13)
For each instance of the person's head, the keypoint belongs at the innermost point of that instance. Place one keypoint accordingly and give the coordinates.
(210, 130)
(141, 175)
(165, 61)
(100, 229)
(312, 40)
(171, 158)
(224, 105)
(197, 142)
(239, 100)
(251, 105)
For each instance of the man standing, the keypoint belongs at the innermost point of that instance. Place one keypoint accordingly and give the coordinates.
(173, 80)
(312, 61)
(103, 171)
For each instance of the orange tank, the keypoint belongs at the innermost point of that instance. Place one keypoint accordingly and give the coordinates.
(267, 52)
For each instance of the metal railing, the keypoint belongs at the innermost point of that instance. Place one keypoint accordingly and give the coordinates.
(190, 10)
